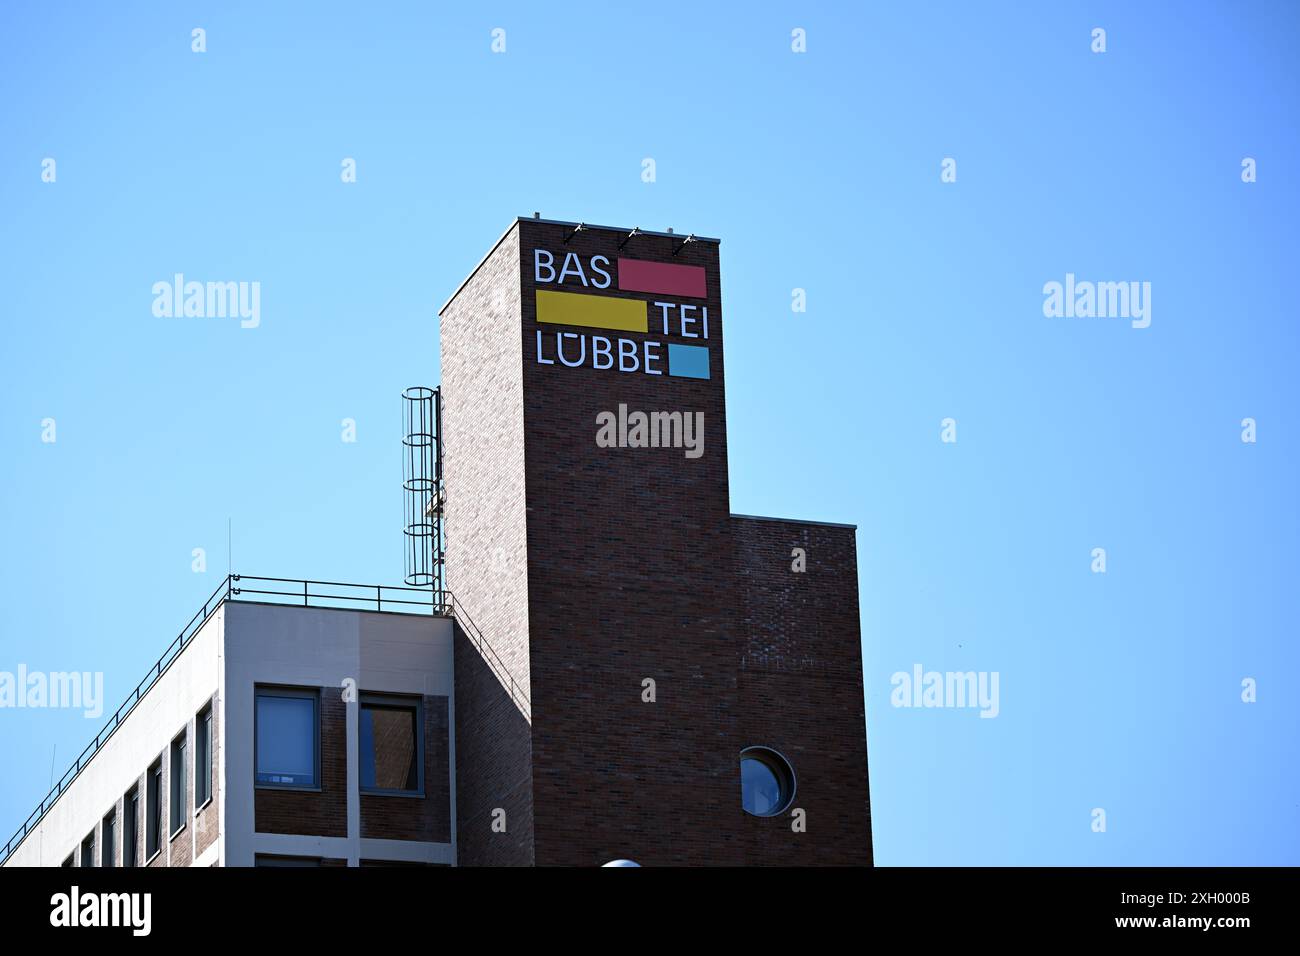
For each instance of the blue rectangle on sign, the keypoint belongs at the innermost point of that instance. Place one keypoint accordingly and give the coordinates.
(688, 361)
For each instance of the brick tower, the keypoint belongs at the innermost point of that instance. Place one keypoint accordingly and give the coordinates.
(651, 634)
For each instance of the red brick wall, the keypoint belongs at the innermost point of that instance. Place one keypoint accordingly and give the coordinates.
(800, 688)
(323, 813)
(493, 767)
(627, 581)
(483, 462)
(635, 569)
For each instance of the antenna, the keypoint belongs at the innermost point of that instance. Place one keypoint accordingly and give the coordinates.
(422, 489)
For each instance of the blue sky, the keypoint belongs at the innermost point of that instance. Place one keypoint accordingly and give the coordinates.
(819, 171)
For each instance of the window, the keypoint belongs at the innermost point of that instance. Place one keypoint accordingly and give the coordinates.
(766, 782)
(153, 811)
(390, 742)
(176, 786)
(131, 827)
(68, 861)
(88, 850)
(287, 737)
(203, 757)
(392, 863)
(108, 848)
(263, 860)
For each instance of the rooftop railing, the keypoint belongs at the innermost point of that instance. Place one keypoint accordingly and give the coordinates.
(287, 591)
(336, 594)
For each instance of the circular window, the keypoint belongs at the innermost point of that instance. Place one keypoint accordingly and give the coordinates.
(766, 782)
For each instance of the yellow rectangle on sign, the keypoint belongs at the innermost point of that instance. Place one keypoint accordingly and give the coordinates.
(592, 311)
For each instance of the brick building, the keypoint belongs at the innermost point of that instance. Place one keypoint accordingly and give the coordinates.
(623, 669)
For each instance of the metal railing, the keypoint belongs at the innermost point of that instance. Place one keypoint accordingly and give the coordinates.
(287, 591)
(337, 594)
(173, 651)
(490, 656)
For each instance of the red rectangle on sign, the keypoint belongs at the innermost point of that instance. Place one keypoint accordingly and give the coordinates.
(638, 275)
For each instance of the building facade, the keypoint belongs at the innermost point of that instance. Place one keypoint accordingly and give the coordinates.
(277, 735)
(623, 669)
(594, 569)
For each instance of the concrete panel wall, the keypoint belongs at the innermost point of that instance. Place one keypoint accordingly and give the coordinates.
(321, 648)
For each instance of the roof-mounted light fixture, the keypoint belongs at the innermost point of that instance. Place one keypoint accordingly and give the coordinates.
(636, 231)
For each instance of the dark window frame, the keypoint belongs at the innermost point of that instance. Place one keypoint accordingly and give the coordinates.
(304, 693)
(131, 827)
(203, 758)
(395, 702)
(781, 769)
(177, 753)
(153, 810)
(88, 849)
(283, 860)
(402, 863)
(108, 840)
